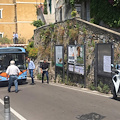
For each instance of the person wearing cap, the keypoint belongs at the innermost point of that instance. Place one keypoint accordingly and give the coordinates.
(31, 67)
(44, 70)
(13, 73)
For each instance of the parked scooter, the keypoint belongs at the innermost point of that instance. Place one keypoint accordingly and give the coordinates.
(116, 80)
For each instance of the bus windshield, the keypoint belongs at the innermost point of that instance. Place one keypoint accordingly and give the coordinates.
(6, 58)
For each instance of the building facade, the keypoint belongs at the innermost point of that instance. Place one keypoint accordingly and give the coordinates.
(17, 16)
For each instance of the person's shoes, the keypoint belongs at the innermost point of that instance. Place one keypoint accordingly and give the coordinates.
(16, 91)
(32, 84)
(8, 90)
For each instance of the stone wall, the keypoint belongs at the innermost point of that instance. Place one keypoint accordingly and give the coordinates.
(81, 30)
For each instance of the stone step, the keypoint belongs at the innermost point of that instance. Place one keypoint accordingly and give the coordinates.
(50, 18)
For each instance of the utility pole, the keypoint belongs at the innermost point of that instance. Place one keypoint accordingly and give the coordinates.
(15, 20)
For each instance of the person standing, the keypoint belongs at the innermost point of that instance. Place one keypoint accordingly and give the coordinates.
(44, 70)
(16, 38)
(13, 73)
(31, 67)
(13, 37)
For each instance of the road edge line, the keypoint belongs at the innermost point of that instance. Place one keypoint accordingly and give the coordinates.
(14, 112)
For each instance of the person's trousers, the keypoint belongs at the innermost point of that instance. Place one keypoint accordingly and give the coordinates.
(13, 78)
(31, 74)
(45, 72)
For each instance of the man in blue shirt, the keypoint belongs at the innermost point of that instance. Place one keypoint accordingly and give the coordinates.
(31, 67)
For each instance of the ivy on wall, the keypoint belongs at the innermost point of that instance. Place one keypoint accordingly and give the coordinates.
(102, 10)
(107, 11)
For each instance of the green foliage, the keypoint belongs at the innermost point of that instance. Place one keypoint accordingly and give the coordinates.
(45, 7)
(103, 10)
(37, 23)
(103, 88)
(29, 46)
(39, 76)
(21, 41)
(74, 13)
(92, 87)
(5, 40)
(52, 25)
(33, 53)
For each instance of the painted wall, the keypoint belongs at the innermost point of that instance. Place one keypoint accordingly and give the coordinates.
(25, 30)
(25, 15)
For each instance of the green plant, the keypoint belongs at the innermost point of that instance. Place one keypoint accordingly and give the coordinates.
(29, 46)
(52, 26)
(45, 7)
(107, 13)
(73, 33)
(106, 89)
(39, 76)
(37, 23)
(33, 53)
(103, 88)
(74, 13)
(92, 87)
(5, 40)
(22, 40)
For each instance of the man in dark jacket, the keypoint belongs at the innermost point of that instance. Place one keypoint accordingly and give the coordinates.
(44, 70)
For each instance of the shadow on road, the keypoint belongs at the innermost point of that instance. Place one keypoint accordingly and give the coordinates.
(5, 84)
(90, 116)
(117, 99)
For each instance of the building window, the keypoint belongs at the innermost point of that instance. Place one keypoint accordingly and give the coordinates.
(1, 35)
(1, 13)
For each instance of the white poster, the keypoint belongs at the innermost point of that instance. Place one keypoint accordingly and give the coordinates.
(71, 68)
(107, 64)
(71, 54)
(79, 69)
(59, 57)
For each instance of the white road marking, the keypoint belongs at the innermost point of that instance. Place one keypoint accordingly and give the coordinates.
(14, 112)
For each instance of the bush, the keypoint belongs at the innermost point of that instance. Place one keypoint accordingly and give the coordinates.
(33, 53)
(91, 87)
(21, 41)
(37, 23)
(5, 40)
(103, 88)
(39, 76)
(74, 13)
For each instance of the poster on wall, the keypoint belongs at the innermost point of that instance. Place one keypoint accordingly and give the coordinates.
(79, 54)
(71, 54)
(79, 70)
(71, 68)
(107, 64)
(59, 56)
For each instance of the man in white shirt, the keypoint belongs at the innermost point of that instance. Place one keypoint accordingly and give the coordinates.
(13, 73)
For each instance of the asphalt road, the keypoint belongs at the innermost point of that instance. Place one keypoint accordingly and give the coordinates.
(56, 102)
